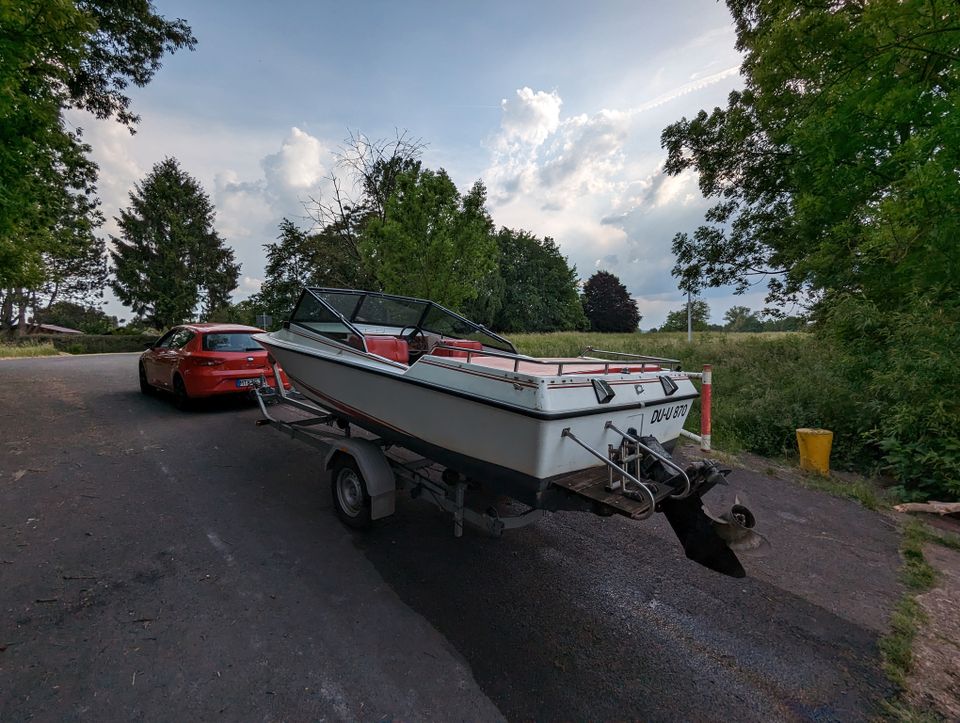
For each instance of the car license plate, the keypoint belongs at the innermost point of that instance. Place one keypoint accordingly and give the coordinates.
(247, 382)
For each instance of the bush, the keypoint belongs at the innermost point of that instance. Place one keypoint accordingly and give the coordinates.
(907, 364)
(86, 343)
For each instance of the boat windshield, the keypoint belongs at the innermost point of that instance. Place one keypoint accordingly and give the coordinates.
(317, 316)
(341, 311)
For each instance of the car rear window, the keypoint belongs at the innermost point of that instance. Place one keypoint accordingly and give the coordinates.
(230, 341)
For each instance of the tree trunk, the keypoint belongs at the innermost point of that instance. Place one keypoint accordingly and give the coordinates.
(22, 316)
(6, 311)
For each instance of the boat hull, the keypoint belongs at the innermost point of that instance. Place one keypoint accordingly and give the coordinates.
(516, 448)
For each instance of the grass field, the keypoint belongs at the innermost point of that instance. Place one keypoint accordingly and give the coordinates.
(669, 344)
(27, 350)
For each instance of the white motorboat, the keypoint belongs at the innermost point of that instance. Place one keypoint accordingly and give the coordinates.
(588, 432)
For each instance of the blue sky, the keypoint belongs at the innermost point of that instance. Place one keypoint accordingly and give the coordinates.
(556, 106)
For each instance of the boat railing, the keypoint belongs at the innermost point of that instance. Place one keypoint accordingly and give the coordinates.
(638, 357)
(522, 358)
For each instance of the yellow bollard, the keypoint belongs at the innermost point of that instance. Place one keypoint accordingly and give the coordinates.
(815, 447)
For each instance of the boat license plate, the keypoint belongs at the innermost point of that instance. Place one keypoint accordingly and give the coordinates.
(662, 414)
(246, 382)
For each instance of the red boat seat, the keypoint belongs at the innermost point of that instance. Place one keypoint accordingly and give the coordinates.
(461, 344)
(389, 347)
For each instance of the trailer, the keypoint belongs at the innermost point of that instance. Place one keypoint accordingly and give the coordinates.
(637, 478)
(367, 472)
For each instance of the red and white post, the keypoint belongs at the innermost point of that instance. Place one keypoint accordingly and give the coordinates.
(706, 394)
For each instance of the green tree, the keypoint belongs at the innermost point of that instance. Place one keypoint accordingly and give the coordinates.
(53, 56)
(608, 305)
(699, 316)
(486, 306)
(539, 287)
(740, 318)
(835, 167)
(298, 259)
(289, 269)
(243, 312)
(170, 259)
(835, 175)
(785, 323)
(88, 319)
(433, 242)
(373, 169)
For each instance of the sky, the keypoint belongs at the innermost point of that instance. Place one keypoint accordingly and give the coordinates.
(556, 106)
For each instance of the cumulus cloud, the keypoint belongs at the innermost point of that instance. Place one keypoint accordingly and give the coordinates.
(119, 169)
(288, 178)
(299, 165)
(591, 181)
(530, 117)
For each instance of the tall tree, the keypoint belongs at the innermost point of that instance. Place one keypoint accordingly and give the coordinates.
(835, 167)
(434, 243)
(699, 317)
(367, 178)
(298, 259)
(740, 318)
(835, 175)
(538, 289)
(170, 260)
(608, 305)
(50, 251)
(54, 56)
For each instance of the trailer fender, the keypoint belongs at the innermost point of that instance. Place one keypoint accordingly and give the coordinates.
(377, 474)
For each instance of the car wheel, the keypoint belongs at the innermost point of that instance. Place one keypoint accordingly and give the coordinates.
(181, 400)
(144, 384)
(350, 498)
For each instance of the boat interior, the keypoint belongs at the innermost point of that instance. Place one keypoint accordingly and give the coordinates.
(404, 330)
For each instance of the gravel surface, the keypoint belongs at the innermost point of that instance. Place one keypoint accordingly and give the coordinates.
(166, 565)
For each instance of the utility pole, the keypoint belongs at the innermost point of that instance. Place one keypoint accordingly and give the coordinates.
(689, 319)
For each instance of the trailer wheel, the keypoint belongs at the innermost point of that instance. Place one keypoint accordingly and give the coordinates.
(350, 498)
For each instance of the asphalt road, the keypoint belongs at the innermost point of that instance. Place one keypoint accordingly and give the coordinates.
(177, 566)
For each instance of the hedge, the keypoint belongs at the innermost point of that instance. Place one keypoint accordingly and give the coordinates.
(86, 343)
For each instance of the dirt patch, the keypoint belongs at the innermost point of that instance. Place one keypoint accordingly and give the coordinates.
(934, 682)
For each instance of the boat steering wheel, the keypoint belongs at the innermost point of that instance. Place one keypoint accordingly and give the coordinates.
(416, 338)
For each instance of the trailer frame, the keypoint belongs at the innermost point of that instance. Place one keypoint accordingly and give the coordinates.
(383, 474)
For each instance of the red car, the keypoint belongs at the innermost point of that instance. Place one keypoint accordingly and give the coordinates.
(203, 360)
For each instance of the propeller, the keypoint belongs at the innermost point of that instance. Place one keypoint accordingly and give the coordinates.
(735, 527)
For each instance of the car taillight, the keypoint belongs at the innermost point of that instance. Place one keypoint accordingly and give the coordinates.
(205, 361)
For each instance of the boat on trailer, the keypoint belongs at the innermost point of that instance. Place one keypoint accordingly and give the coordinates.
(591, 433)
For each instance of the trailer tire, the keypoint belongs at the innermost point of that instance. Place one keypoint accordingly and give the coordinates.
(349, 490)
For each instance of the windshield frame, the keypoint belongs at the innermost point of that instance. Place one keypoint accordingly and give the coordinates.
(497, 342)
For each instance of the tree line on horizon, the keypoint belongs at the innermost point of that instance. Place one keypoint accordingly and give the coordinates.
(421, 238)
